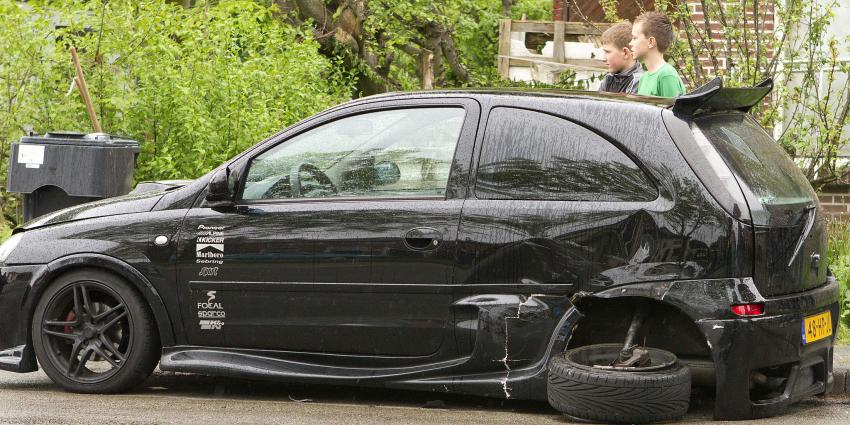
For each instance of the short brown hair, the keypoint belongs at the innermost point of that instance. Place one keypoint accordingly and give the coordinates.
(619, 35)
(657, 24)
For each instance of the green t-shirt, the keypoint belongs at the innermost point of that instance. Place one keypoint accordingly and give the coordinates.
(664, 82)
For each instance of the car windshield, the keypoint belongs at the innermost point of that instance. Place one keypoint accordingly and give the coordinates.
(760, 164)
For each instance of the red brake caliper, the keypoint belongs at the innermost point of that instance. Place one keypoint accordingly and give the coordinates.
(70, 318)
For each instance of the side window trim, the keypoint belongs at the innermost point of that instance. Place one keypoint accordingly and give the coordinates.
(466, 136)
(486, 124)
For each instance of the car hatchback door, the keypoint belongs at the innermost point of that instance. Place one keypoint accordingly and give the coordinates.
(343, 241)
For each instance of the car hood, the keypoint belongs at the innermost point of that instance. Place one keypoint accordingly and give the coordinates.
(128, 204)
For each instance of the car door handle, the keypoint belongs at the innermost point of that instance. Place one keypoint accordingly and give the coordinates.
(423, 238)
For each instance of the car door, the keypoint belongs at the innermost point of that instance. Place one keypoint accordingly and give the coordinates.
(343, 240)
(555, 209)
(556, 206)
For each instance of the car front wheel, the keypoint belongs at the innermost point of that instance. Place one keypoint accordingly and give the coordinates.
(94, 333)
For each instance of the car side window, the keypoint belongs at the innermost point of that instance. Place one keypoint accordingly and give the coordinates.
(390, 153)
(533, 155)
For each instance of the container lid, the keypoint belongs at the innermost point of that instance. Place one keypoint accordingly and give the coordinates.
(81, 139)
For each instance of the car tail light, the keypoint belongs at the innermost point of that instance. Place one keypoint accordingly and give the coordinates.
(748, 310)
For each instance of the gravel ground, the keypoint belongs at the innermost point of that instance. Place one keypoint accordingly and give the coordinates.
(188, 399)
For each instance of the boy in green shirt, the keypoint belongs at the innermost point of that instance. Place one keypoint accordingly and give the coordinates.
(652, 35)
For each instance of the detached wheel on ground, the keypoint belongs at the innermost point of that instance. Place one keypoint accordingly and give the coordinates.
(583, 385)
(94, 333)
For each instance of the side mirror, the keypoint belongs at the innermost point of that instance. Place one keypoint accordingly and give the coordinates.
(220, 190)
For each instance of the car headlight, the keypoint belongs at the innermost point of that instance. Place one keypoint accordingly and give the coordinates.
(9, 246)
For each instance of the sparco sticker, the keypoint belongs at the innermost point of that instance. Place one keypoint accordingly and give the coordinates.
(211, 309)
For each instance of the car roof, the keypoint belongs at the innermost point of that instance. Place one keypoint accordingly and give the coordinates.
(531, 92)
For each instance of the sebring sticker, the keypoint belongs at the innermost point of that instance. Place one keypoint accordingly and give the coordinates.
(211, 309)
(209, 245)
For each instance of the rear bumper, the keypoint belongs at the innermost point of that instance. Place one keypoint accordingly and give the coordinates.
(745, 351)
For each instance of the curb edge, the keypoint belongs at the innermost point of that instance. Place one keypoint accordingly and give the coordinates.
(841, 385)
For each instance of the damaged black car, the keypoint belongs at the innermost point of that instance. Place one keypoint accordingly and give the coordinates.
(606, 253)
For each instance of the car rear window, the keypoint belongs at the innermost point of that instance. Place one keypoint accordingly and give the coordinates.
(758, 161)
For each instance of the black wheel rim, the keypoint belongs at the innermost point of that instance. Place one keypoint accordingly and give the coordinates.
(87, 331)
(602, 356)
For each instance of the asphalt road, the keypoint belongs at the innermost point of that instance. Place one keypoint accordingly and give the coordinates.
(188, 399)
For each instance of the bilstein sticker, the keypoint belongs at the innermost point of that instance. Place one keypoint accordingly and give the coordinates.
(209, 245)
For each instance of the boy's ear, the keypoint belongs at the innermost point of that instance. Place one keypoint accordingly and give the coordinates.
(627, 51)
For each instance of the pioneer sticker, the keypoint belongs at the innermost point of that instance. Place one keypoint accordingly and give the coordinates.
(209, 245)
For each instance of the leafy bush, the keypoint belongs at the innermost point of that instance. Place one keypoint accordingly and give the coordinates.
(195, 86)
(5, 232)
(839, 263)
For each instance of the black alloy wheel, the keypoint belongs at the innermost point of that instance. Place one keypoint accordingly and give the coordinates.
(93, 332)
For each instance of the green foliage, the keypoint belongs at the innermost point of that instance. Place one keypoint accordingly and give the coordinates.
(839, 263)
(533, 10)
(5, 232)
(402, 27)
(194, 86)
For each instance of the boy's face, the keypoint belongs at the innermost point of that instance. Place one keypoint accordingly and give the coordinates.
(640, 44)
(617, 59)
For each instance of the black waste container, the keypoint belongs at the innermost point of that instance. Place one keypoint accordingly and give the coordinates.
(59, 170)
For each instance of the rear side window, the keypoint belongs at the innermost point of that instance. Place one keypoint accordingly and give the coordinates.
(533, 155)
(758, 161)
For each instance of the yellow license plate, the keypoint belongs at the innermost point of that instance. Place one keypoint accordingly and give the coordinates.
(817, 327)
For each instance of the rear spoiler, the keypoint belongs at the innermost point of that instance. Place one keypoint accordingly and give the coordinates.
(712, 96)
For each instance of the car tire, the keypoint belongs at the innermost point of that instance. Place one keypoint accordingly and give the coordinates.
(77, 316)
(582, 391)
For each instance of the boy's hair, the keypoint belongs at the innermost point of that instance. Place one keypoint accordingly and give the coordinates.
(619, 35)
(657, 24)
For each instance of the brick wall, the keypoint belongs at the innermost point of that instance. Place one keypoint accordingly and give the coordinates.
(835, 200)
(766, 22)
(558, 10)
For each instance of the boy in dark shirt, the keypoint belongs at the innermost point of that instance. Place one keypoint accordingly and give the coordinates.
(624, 71)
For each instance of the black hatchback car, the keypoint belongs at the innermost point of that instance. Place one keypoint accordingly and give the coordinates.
(603, 252)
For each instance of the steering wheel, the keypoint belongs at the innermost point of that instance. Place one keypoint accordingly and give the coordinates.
(318, 175)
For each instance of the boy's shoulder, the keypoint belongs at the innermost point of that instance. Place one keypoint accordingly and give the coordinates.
(666, 70)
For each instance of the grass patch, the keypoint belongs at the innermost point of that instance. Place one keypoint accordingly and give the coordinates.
(839, 263)
(843, 336)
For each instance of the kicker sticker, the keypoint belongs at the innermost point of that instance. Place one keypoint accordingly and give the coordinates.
(209, 245)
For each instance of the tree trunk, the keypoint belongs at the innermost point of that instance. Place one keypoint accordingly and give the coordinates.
(507, 5)
(426, 69)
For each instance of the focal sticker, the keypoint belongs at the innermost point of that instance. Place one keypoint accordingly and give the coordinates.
(211, 309)
(209, 245)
